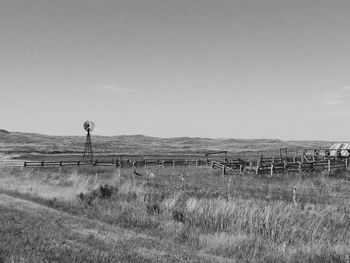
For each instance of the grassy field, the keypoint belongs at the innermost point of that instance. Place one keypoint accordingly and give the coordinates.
(190, 209)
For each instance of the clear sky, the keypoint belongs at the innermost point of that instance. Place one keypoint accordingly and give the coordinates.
(205, 68)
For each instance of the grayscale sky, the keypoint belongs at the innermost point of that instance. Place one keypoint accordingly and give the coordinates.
(205, 68)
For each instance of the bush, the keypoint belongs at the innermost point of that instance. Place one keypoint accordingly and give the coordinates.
(178, 216)
(103, 192)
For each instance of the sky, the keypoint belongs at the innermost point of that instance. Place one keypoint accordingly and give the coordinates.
(204, 68)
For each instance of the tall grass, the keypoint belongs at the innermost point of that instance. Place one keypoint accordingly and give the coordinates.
(247, 229)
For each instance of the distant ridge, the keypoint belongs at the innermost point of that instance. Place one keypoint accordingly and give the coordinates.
(19, 142)
(4, 131)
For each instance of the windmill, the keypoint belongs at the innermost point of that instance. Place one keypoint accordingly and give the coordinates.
(89, 127)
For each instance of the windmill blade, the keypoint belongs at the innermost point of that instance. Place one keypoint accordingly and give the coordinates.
(92, 125)
(89, 125)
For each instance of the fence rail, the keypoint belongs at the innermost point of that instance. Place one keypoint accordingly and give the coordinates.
(117, 163)
(11, 163)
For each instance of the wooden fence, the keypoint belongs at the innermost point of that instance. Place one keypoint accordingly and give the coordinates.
(264, 165)
(232, 166)
(11, 163)
(118, 163)
(277, 165)
(280, 165)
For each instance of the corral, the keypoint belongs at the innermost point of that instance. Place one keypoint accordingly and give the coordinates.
(307, 160)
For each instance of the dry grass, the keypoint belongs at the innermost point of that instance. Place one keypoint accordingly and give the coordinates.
(250, 230)
(29, 238)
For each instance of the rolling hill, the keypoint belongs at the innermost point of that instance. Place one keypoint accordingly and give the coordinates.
(18, 142)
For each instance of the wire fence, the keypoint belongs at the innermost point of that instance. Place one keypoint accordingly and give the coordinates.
(229, 188)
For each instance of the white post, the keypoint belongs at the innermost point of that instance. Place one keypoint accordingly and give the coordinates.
(294, 195)
(229, 189)
(182, 180)
(271, 169)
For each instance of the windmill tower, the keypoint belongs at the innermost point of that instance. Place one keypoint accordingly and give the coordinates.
(88, 156)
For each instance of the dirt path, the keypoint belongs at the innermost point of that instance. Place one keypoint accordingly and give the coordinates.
(112, 236)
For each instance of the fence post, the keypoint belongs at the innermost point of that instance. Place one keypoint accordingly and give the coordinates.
(294, 195)
(257, 166)
(173, 163)
(250, 166)
(346, 163)
(271, 169)
(337, 154)
(25, 164)
(196, 162)
(223, 170)
(329, 166)
(285, 166)
(229, 189)
(300, 167)
(182, 181)
(302, 156)
(134, 167)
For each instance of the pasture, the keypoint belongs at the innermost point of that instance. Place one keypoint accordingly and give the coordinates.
(172, 214)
